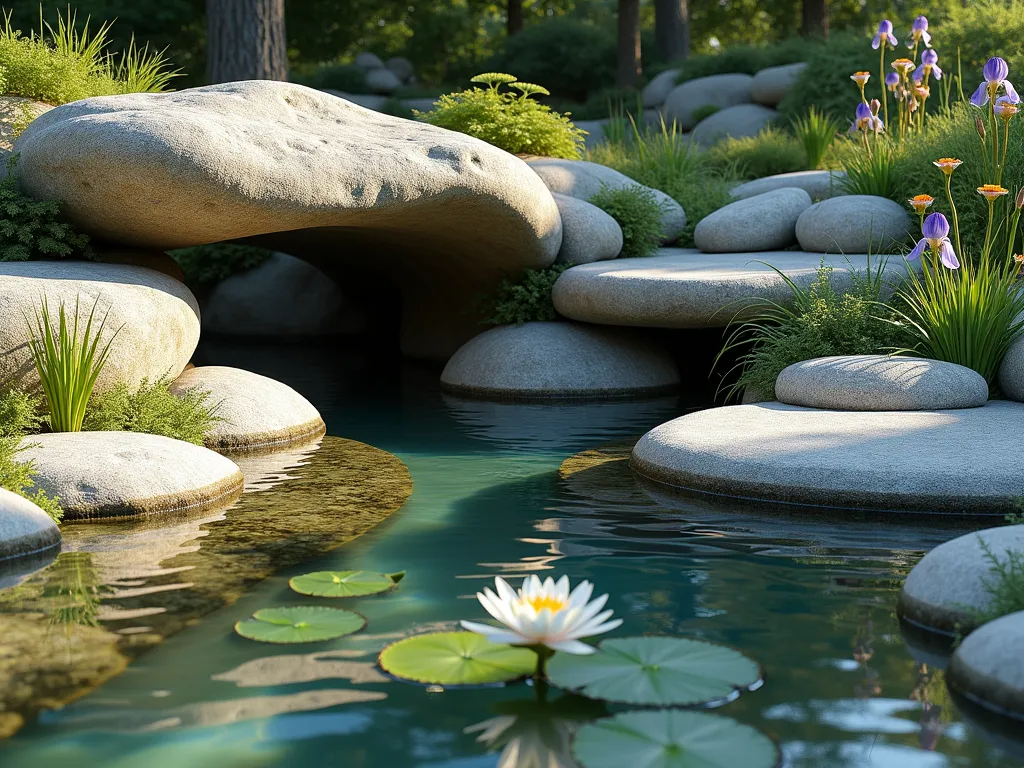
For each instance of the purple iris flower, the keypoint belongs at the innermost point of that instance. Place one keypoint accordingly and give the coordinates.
(919, 31)
(892, 79)
(884, 35)
(995, 72)
(929, 65)
(936, 237)
(866, 120)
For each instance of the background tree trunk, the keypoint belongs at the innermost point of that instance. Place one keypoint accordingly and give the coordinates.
(629, 43)
(815, 18)
(515, 17)
(672, 29)
(246, 40)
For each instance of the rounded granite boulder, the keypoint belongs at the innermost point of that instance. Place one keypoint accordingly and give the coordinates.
(254, 413)
(25, 529)
(129, 474)
(559, 360)
(588, 233)
(1011, 372)
(960, 461)
(661, 85)
(760, 223)
(739, 122)
(151, 319)
(771, 85)
(988, 669)
(684, 101)
(820, 185)
(880, 383)
(946, 591)
(382, 81)
(854, 224)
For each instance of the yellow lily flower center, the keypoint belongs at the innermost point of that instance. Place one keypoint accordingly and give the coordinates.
(992, 191)
(547, 601)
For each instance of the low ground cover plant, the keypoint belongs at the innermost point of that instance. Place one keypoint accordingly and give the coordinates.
(206, 265)
(771, 152)
(154, 410)
(34, 229)
(638, 213)
(19, 416)
(525, 299)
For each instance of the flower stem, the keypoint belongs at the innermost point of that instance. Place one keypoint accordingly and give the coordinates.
(956, 219)
(543, 654)
(881, 81)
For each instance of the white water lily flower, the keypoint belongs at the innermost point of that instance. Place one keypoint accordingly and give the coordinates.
(544, 613)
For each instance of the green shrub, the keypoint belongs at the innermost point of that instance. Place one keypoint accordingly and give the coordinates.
(19, 415)
(704, 112)
(154, 410)
(816, 132)
(512, 122)
(976, 31)
(700, 196)
(770, 152)
(209, 264)
(818, 323)
(638, 213)
(32, 229)
(337, 77)
(525, 300)
(62, 64)
(746, 59)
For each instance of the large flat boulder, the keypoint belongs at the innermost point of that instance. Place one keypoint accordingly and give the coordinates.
(684, 101)
(962, 461)
(155, 318)
(684, 288)
(25, 529)
(559, 360)
(880, 383)
(820, 185)
(854, 224)
(760, 223)
(129, 474)
(738, 122)
(439, 214)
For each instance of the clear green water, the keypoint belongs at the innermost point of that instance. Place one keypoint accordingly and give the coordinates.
(811, 598)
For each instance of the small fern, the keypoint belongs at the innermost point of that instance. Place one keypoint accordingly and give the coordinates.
(32, 229)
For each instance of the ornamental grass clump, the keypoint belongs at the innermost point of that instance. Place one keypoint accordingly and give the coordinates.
(816, 131)
(511, 121)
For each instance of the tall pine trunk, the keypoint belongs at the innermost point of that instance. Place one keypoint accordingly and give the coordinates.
(515, 17)
(629, 43)
(246, 40)
(814, 21)
(672, 29)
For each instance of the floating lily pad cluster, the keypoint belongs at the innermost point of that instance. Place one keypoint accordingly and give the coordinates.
(315, 623)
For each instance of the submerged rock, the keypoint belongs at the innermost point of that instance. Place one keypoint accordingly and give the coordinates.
(439, 214)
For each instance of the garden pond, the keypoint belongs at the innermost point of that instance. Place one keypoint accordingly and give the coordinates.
(496, 489)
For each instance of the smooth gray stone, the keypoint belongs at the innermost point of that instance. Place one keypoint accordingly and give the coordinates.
(880, 383)
(761, 223)
(382, 81)
(559, 360)
(661, 85)
(713, 91)
(945, 591)
(588, 233)
(854, 224)
(367, 100)
(772, 84)
(255, 412)
(583, 179)
(738, 122)
(963, 461)
(368, 61)
(402, 68)
(684, 288)
(129, 474)
(1011, 372)
(988, 666)
(25, 529)
(820, 185)
(595, 132)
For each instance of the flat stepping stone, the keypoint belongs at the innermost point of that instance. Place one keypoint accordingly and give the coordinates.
(988, 667)
(684, 288)
(559, 360)
(25, 529)
(958, 461)
(129, 474)
(946, 591)
(880, 383)
(820, 185)
(256, 413)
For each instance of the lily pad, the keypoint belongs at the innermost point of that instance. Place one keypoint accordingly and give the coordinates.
(456, 658)
(657, 671)
(669, 738)
(344, 583)
(299, 624)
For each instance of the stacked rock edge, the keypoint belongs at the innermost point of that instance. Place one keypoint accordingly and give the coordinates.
(25, 529)
(987, 667)
(945, 592)
(559, 360)
(254, 413)
(880, 383)
(129, 474)
(961, 461)
(315, 176)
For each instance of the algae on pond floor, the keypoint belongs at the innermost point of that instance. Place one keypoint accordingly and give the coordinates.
(75, 624)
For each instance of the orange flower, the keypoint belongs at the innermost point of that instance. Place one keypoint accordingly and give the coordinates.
(992, 191)
(948, 164)
(903, 66)
(861, 78)
(920, 203)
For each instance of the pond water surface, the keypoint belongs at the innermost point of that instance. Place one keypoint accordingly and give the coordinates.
(498, 489)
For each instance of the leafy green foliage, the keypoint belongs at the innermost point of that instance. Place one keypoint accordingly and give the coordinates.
(525, 300)
(638, 213)
(753, 157)
(825, 84)
(456, 658)
(819, 322)
(210, 264)
(32, 229)
(152, 409)
(299, 624)
(68, 359)
(19, 415)
(816, 131)
(979, 30)
(513, 122)
(62, 63)
(344, 583)
(1004, 585)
